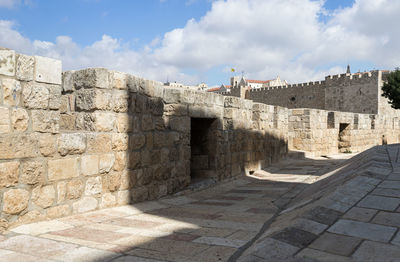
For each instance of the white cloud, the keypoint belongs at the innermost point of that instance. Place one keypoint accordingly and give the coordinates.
(8, 3)
(263, 38)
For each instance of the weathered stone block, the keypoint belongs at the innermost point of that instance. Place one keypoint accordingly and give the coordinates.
(48, 70)
(18, 146)
(45, 196)
(118, 80)
(90, 165)
(62, 169)
(108, 200)
(91, 77)
(137, 141)
(32, 172)
(120, 142)
(74, 189)
(25, 66)
(84, 205)
(9, 174)
(7, 62)
(124, 123)
(85, 99)
(134, 160)
(120, 161)
(112, 181)
(103, 100)
(175, 110)
(47, 144)
(11, 92)
(67, 121)
(105, 122)
(178, 123)
(106, 162)
(71, 144)
(45, 121)
(54, 97)
(85, 121)
(59, 211)
(172, 96)
(120, 101)
(61, 191)
(93, 186)
(15, 201)
(4, 120)
(147, 123)
(99, 143)
(19, 119)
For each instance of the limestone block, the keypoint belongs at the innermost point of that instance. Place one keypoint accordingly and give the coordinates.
(9, 174)
(139, 194)
(67, 121)
(112, 181)
(99, 143)
(106, 162)
(74, 189)
(123, 197)
(47, 144)
(33, 172)
(120, 101)
(124, 123)
(68, 81)
(4, 120)
(61, 191)
(45, 196)
(92, 77)
(19, 119)
(90, 165)
(118, 80)
(30, 217)
(105, 122)
(48, 70)
(120, 161)
(137, 141)
(103, 100)
(93, 186)
(71, 144)
(7, 62)
(54, 97)
(175, 110)
(59, 211)
(178, 123)
(18, 146)
(11, 92)
(147, 123)
(62, 169)
(134, 160)
(108, 200)
(25, 66)
(120, 141)
(84, 205)
(85, 121)
(172, 96)
(45, 121)
(128, 180)
(15, 201)
(85, 99)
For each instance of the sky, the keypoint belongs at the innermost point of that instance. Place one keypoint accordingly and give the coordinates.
(194, 41)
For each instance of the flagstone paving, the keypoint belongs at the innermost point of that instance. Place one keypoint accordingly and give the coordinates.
(313, 209)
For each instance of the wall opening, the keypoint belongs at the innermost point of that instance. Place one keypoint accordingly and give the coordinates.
(331, 120)
(203, 142)
(344, 138)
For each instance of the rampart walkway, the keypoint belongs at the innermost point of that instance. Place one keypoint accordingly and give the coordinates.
(321, 209)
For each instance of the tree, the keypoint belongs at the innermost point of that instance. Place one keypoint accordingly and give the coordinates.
(391, 88)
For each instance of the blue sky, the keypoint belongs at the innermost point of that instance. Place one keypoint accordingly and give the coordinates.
(200, 40)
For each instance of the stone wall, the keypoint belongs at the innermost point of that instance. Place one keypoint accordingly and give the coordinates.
(319, 131)
(94, 138)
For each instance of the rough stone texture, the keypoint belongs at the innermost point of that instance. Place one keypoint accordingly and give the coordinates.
(25, 66)
(45, 196)
(19, 119)
(47, 144)
(104, 121)
(48, 70)
(4, 120)
(11, 92)
(71, 144)
(74, 189)
(59, 211)
(63, 169)
(45, 121)
(32, 172)
(9, 174)
(84, 205)
(18, 146)
(93, 186)
(106, 162)
(108, 200)
(90, 165)
(36, 96)
(7, 62)
(15, 201)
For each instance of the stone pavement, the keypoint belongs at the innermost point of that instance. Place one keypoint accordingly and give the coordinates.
(320, 209)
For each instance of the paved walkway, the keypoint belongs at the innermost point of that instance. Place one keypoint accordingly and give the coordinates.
(298, 210)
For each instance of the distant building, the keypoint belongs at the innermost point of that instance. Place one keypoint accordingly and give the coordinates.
(254, 84)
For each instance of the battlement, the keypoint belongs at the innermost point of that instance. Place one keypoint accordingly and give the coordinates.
(362, 76)
(300, 85)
